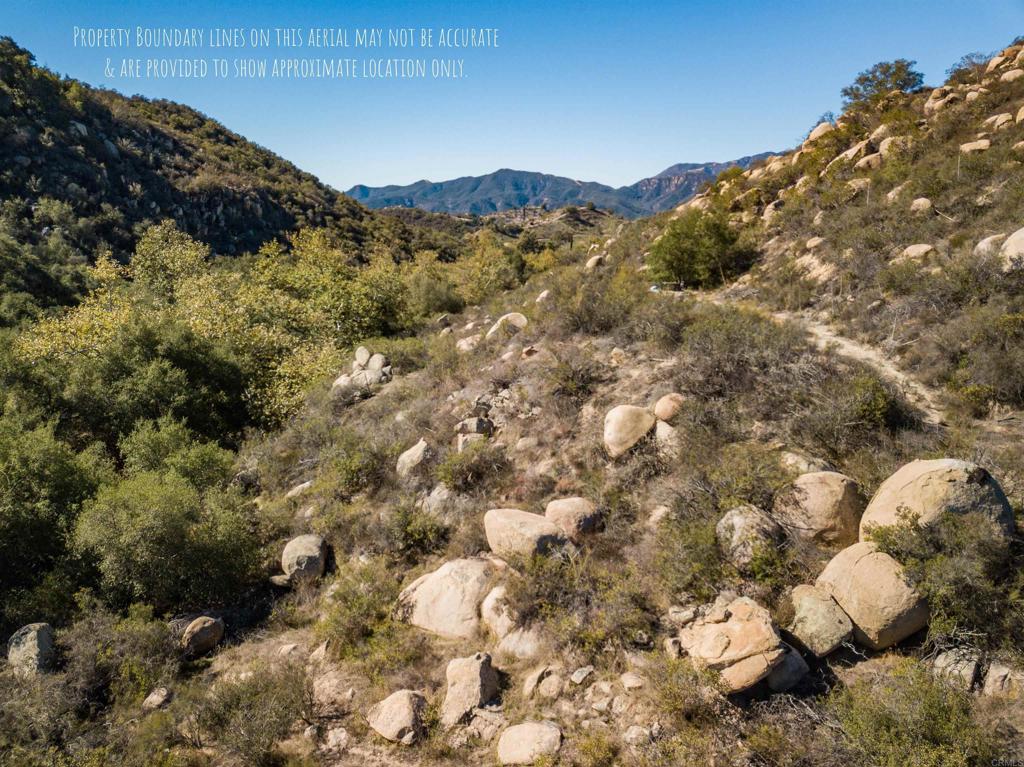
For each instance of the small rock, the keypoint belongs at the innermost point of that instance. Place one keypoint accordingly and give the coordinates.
(337, 739)
(631, 681)
(551, 686)
(636, 736)
(409, 460)
(298, 490)
(472, 682)
(819, 624)
(624, 426)
(1004, 682)
(668, 407)
(508, 323)
(304, 558)
(958, 667)
(158, 698)
(788, 673)
(579, 675)
(921, 205)
(512, 533)
(574, 516)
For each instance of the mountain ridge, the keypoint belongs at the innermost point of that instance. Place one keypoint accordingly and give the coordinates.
(508, 188)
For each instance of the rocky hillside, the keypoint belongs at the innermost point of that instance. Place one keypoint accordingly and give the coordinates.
(510, 189)
(901, 223)
(567, 511)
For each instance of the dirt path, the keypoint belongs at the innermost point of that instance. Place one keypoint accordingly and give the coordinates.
(825, 337)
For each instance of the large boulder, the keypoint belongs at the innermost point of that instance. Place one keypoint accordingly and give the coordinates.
(447, 601)
(304, 558)
(932, 488)
(495, 613)
(870, 587)
(745, 531)
(822, 506)
(1012, 251)
(409, 460)
(399, 717)
(31, 649)
(574, 516)
(819, 130)
(736, 639)
(201, 636)
(527, 742)
(624, 426)
(512, 322)
(515, 533)
(472, 682)
(818, 622)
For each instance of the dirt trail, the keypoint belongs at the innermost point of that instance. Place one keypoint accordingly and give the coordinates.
(823, 336)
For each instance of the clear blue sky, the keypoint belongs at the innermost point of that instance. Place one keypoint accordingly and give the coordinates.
(594, 90)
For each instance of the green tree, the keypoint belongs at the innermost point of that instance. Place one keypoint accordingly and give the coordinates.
(886, 76)
(698, 250)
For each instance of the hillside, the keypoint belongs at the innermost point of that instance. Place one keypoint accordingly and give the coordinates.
(510, 189)
(83, 170)
(737, 484)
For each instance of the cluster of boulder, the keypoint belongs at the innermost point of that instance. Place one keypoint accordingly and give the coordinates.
(505, 326)
(368, 370)
(625, 426)
(861, 595)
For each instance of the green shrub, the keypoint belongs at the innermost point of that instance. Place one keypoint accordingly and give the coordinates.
(360, 606)
(43, 484)
(351, 464)
(698, 250)
(411, 533)
(248, 716)
(169, 445)
(970, 574)
(156, 539)
(906, 717)
(477, 464)
(596, 303)
(572, 379)
(590, 605)
(688, 560)
(109, 658)
(360, 621)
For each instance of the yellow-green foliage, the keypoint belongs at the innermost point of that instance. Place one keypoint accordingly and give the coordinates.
(907, 717)
(489, 268)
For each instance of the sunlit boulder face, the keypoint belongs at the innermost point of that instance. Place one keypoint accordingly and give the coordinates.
(929, 489)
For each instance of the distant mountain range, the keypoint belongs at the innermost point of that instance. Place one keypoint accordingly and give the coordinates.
(508, 189)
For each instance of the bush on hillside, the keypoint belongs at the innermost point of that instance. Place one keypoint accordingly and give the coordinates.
(698, 250)
(157, 539)
(969, 572)
(907, 717)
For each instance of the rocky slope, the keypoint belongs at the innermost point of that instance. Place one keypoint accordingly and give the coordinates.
(599, 524)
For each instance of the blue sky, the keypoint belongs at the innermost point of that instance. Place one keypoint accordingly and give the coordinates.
(595, 90)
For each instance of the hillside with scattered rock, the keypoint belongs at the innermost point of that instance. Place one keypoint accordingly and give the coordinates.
(736, 484)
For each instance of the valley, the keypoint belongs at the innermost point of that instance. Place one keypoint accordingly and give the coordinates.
(722, 467)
